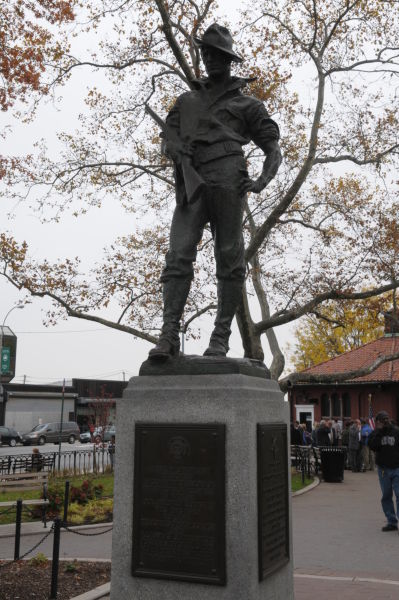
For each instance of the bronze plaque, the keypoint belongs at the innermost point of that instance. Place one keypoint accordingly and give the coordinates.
(179, 503)
(273, 516)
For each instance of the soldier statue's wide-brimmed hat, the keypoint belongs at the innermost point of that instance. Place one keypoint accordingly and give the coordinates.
(217, 36)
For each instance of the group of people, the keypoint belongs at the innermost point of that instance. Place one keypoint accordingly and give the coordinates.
(352, 435)
(367, 447)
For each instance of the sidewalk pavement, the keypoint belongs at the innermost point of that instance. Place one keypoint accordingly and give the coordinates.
(331, 589)
(344, 589)
(73, 545)
(37, 527)
(339, 548)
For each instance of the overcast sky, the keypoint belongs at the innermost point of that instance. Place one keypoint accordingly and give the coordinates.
(75, 348)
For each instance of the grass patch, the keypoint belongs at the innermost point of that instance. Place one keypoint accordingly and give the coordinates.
(296, 481)
(107, 481)
(96, 511)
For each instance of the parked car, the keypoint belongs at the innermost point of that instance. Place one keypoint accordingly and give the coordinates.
(10, 436)
(85, 437)
(98, 436)
(50, 432)
(103, 436)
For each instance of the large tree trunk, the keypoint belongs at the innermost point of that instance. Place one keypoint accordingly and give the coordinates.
(250, 340)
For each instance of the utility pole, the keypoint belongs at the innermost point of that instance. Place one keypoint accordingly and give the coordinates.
(62, 418)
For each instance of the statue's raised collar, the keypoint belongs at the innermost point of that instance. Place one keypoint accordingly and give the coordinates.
(235, 83)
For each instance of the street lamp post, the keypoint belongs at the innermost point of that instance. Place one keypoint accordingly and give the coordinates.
(1, 344)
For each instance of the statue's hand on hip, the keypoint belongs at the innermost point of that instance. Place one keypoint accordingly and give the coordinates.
(254, 186)
(270, 168)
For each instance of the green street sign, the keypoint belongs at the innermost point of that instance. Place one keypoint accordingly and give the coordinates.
(5, 360)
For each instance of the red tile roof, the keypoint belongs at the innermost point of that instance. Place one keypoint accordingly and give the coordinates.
(362, 357)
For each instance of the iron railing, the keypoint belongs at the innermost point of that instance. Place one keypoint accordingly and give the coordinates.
(307, 459)
(95, 460)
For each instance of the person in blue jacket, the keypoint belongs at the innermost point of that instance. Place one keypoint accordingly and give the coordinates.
(368, 457)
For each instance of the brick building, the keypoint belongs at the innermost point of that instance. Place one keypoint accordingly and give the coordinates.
(24, 406)
(350, 400)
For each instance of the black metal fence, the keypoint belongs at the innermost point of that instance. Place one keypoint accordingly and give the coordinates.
(55, 529)
(307, 459)
(302, 459)
(96, 460)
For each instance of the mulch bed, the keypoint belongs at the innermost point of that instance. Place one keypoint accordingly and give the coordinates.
(23, 581)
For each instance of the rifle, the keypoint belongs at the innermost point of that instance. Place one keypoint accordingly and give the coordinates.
(193, 182)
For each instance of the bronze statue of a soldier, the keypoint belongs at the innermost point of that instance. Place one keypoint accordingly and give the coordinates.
(204, 135)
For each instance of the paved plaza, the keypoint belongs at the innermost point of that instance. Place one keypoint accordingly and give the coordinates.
(339, 548)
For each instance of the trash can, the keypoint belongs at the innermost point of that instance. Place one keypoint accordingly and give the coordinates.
(332, 464)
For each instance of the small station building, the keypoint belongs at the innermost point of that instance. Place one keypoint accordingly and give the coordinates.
(350, 400)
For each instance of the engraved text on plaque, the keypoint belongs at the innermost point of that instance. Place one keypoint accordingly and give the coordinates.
(273, 517)
(179, 502)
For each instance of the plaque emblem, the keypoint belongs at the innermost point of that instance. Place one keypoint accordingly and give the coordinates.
(179, 448)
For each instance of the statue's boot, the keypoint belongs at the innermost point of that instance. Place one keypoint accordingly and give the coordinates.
(229, 296)
(175, 292)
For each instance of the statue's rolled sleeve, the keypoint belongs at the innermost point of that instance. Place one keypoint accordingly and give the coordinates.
(261, 126)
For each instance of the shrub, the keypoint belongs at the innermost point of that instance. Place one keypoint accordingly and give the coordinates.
(98, 490)
(95, 511)
(79, 495)
(85, 492)
(55, 496)
(40, 560)
(71, 567)
(75, 514)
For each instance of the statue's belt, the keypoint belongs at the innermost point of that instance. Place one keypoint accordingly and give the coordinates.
(208, 152)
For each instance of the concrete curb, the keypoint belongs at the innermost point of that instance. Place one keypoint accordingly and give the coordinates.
(36, 528)
(354, 579)
(66, 560)
(99, 592)
(308, 488)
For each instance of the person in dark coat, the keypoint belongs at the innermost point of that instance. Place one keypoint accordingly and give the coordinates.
(384, 440)
(323, 434)
(345, 443)
(315, 428)
(296, 434)
(37, 460)
(355, 446)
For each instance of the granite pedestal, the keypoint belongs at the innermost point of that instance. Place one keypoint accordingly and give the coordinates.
(236, 404)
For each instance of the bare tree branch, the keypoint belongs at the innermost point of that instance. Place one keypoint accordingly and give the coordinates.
(354, 66)
(174, 45)
(322, 317)
(81, 315)
(367, 161)
(261, 233)
(337, 22)
(291, 315)
(199, 313)
(121, 66)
